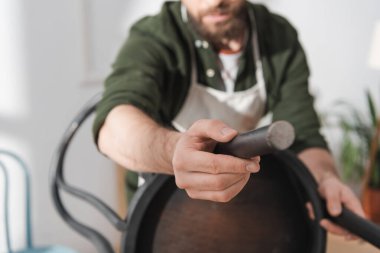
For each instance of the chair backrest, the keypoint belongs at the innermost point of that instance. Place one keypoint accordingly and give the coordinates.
(25, 172)
(29, 247)
(58, 183)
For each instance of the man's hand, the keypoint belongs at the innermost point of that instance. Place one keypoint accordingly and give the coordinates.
(321, 165)
(205, 175)
(336, 195)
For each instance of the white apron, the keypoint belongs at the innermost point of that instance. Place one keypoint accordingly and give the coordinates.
(241, 110)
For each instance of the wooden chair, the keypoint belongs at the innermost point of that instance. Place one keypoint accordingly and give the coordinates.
(269, 215)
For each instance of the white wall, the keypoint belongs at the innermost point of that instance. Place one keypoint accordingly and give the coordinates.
(47, 52)
(336, 36)
(41, 80)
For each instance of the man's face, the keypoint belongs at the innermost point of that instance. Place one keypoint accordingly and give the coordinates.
(216, 18)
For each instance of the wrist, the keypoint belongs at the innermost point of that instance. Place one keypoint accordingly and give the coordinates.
(170, 139)
(320, 163)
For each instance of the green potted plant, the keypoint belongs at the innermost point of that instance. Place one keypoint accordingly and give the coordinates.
(360, 151)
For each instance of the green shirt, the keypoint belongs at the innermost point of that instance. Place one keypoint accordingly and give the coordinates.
(152, 71)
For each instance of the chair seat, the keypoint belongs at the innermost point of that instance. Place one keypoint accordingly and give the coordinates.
(268, 215)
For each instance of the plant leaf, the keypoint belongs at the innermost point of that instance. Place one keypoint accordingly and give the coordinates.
(371, 107)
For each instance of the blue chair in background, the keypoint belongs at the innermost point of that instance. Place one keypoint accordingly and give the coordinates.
(29, 243)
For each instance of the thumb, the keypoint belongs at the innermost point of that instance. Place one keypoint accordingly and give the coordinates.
(332, 196)
(212, 129)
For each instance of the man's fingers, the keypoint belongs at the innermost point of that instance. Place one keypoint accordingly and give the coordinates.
(335, 229)
(337, 195)
(332, 228)
(216, 163)
(214, 129)
(329, 226)
(352, 202)
(333, 198)
(334, 205)
(255, 159)
(220, 196)
(310, 210)
(208, 182)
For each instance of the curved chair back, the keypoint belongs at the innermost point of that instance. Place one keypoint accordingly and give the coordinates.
(57, 183)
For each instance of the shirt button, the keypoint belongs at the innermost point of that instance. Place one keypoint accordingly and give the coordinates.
(205, 44)
(210, 73)
(198, 43)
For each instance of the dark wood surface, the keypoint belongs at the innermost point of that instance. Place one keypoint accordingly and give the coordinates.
(267, 216)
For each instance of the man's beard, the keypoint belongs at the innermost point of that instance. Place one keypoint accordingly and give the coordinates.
(233, 28)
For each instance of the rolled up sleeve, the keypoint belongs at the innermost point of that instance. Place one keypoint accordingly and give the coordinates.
(136, 79)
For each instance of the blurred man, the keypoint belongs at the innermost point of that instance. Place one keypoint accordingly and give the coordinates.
(211, 69)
